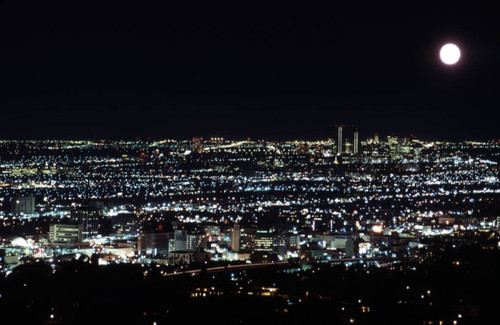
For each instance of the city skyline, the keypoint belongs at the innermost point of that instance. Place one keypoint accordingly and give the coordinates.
(303, 230)
(355, 131)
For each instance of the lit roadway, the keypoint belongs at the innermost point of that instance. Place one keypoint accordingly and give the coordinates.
(239, 267)
(232, 145)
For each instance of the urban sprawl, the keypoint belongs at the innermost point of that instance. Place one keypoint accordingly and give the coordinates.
(177, 202)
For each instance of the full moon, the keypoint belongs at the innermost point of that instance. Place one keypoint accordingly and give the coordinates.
(449, 54)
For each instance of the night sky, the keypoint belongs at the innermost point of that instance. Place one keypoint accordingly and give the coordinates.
(126, 69)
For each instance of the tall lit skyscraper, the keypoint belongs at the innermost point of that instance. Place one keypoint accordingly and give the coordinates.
(89, 219)
(180, 240)
(356, 142)
(235, 238)
(339, 139)
(23, 205)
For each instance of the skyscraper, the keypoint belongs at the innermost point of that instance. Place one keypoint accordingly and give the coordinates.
(124, 224)
(180, 240)
(235, 238)
(89, 219)
(339, 139)
(23, 205)
(356, 142)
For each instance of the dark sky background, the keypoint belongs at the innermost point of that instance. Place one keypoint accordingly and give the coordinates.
(125, 69)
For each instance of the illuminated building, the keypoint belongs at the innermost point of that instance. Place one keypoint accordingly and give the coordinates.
(235, 238)
(351, 247)
(89, 219)
(294, 242)
(339, 139)
(247, 238)
(124, 224)
(212, 230)
(356, 142)
(192, 241)
(263, 240)
(180, 240)
(303, 149)
(348, 147)
(155, 243)
(23, 205)
(197, 145)
(319, 150)
(65, 233)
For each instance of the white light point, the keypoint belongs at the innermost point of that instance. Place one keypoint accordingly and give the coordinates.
(449, 54)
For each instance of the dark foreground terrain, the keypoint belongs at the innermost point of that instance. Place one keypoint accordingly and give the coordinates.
(459, 287)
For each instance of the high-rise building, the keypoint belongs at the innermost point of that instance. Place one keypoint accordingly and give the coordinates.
(155, 243)
(65, 233)
(247, 238)
(124, 224)
(294, 242)
(351, 247)
(192, 241)
(264, 240)
(339, 139)
(23, 205)
(212, 230)
(89, 219)
(180, 240)
(356, 142)
(235, 238)
(348, 147)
